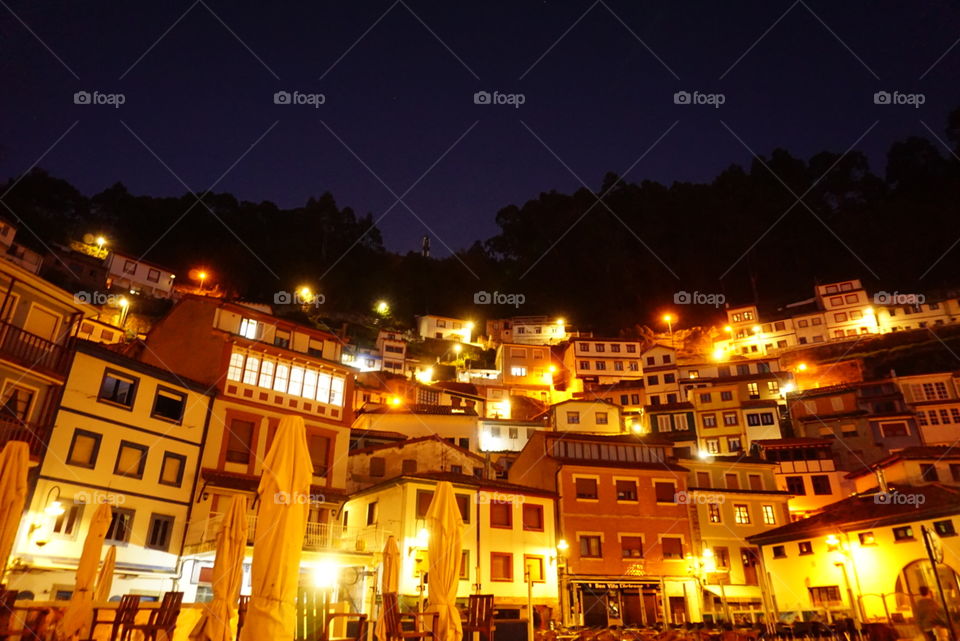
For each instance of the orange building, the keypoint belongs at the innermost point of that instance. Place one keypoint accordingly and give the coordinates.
(624, 526)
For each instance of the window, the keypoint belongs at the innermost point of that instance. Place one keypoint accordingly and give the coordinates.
(825, 595)
(501, 514)
(601, 365)
(131, 459)
(709, 420)
(319, 448)
(795, 486)
(821, 484)
(631, 547)
(129, 267)
(171, 469)
(727, 396)
(601, 418)
(372, 513)
(672, 547)
(518, 371)
(756, 482)
(729, 418)
(703, 479)
(713, 513)
(741, 514)
(533, 517)
(591, 547)
(955, 471)
(159, 532)
(118, 389)
(721, 557)
(465, 565)
(753, 390)
(669, 378)
(463, 504)
(239, 441)
(867, 538)
(712, 445)
(250, 328)
(904, 533)
(894, 429)
(805, 547)
(653, 380)
(66, 523)
(121, 523)
(533, 568)
(584, 347)
(501, 566)
(665, 491)
(168, 405)
(408, 466)
(586, 488)
(769, 516)
(944, 528)
(779, 551)
(928, 472)
(573, 418)
(732, 481)
(626, 490)
(153, 275)
(84, 449)
(378, 466)
(16, 402)
(733, 444)
(424, 497)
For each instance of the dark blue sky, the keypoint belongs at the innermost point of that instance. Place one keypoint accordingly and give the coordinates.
(199, 98)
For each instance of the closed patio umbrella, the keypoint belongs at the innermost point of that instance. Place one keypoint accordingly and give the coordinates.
(389, 579)
(79, 613)
(105, 578)
(14, 461)
(214, 624)
(445, 527)
(278, 540)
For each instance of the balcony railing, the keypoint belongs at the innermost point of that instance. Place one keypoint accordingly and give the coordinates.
(32, 351)
(813, 465)
(35, 436)
(319, 536)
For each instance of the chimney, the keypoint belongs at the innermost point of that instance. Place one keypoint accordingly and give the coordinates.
(882, 481)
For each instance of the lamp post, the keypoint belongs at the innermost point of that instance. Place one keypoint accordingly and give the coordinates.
(834, 545)
(562, 547)
(668, 319)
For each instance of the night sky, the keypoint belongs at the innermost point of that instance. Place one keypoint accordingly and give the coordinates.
(598, 81)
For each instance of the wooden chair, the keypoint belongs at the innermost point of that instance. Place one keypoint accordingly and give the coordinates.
(123, 617)
(361, 626)
(242, 606)
(393, 620)
(479, 616)
(163, 619)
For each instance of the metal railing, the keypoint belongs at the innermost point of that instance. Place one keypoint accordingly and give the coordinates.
(318, 537)
(32, 351)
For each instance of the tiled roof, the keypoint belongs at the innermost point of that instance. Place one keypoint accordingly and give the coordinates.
(917, 453)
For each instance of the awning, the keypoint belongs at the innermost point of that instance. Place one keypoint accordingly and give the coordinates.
(746, 592)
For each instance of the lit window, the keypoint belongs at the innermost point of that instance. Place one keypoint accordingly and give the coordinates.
(235, 370)
(249, 328)
(323, 387)
(266, 374)
(281, 378)
(296, 381)
(518, 371)
(251, 370)
(769, 516)
(741, 514)
(336, 392)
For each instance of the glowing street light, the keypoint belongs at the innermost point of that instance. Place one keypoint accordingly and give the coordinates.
(382, 307)
(202, 276)
(802, 367)
(101, 241)
(306, 295)
(562, 545)
(124, 308)
(457, 348)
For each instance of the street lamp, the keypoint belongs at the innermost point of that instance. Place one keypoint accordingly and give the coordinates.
(668, 319)
(202, 276)
(124, 308)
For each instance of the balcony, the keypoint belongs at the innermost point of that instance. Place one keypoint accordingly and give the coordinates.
(30, 351)
(35, 436)
(320, 537)
(813, 465)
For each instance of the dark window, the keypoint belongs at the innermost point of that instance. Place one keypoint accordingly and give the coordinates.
(532, 517)
(631, 547)
(378, 466)
(672, 547)
(756, 482)
(944, 528)
(726, 396)
(805, 547)
(319, 447)
(825, 595)
(665, 491)
(118, 389)
(66, 523)
(591, 547)
(456, 469)
(121, 523)
(703, 479)
(168, 405)
(779, 551)
(372, 513)
(408, 466)
(904, 533)
(626, 490)
(84, 448)
(171, 470)
(463, 503)
(929, 472)
(424, 498)
(159, 532)
(131, 459)
(501, 566)
(501, 514)
(239, 441)
(732, 480)
(795, 486)
(586, 488)
(153, 275)
(821, 484)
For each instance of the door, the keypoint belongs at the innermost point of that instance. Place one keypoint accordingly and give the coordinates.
(651, 607)
(678, 609)
(594, 608)
(42, 322)
(633, 614)
(751, 561)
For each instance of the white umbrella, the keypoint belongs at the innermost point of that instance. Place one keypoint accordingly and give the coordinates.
(278, 541)
(445, 527)
(79, 614)
(214, 625)
(105, 578)
(14, 461)
(389, 579)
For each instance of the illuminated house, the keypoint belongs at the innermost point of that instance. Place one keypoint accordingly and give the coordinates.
(601, 361)
(935, 401)
(508, 536)
(731, 415)
(262, 368)
(445, 328)
(807, 470)
(128, 273)
(375, 463)
(129, 435)
(624, 531)
(527, 330)
(592, 417)
(864, 557)
(416, 420)
(910, 466)
(393, 351)
(526, 370)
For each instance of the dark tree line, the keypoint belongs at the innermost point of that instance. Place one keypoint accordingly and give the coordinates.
(743, 235)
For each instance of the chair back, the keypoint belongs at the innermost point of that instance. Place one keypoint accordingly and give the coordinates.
(391, 614)
(127, 610)
(480, 610)
(169, 611)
